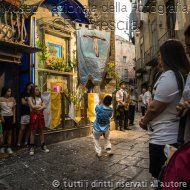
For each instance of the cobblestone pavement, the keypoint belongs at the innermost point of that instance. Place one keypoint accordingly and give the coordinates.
(74, 165)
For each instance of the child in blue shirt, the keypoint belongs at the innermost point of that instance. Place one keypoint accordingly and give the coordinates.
(102, 124)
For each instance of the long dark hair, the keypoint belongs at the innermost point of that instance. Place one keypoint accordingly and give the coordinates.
(187, 31)
(175, 59)
(26, 87)
(32, 93)
(4, 91)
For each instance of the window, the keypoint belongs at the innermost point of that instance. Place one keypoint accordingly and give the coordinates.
(124, 59)
(171, 18)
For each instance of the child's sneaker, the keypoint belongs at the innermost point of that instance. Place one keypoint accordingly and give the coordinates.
(44, 148)
(108, 150)
(31, 151)
(9, 151)
(2, 150)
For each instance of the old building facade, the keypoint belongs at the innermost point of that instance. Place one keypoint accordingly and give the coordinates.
(155, 22)
(124, 59)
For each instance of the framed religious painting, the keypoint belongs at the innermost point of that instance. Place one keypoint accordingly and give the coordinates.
(55, 50)
(57, 47)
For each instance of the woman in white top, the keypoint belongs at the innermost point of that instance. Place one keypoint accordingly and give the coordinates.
(37, 122)
(148, 96)
(161, 119)
(8, 119)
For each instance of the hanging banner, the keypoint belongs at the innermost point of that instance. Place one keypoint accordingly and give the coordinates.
(75, 112)
(46, 97)
(93, 100)
(72, 111)
(78, 113)
(71, 9)
(55, 109)
(93, 47)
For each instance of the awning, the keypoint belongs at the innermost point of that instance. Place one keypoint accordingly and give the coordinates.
(71, 9)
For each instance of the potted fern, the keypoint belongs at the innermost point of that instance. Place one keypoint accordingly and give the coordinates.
(110, 69)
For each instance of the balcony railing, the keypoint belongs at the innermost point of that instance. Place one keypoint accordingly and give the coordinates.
(147, 56)
(164, 38)
(152, 53)
(140, 66)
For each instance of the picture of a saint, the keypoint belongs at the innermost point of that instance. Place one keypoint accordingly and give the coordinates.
(52, 51)
(55, 50)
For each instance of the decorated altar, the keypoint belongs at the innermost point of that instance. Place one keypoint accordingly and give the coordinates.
(55, 65)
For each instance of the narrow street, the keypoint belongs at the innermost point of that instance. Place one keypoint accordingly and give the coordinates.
(64, 64)
(74, 164)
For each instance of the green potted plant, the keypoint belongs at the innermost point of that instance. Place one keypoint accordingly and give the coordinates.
(110, 69)
(111, 73)
(43, 53)
(57, 64)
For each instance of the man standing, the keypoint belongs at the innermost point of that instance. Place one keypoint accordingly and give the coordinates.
(148, 96)
(122, 99)
(132, 106)
(143, 102)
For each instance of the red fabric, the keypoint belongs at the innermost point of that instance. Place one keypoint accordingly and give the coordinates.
(37, 120)
(178, 169)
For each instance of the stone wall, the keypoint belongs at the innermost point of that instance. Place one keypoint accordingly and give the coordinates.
(104, 15)
(125, 48)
